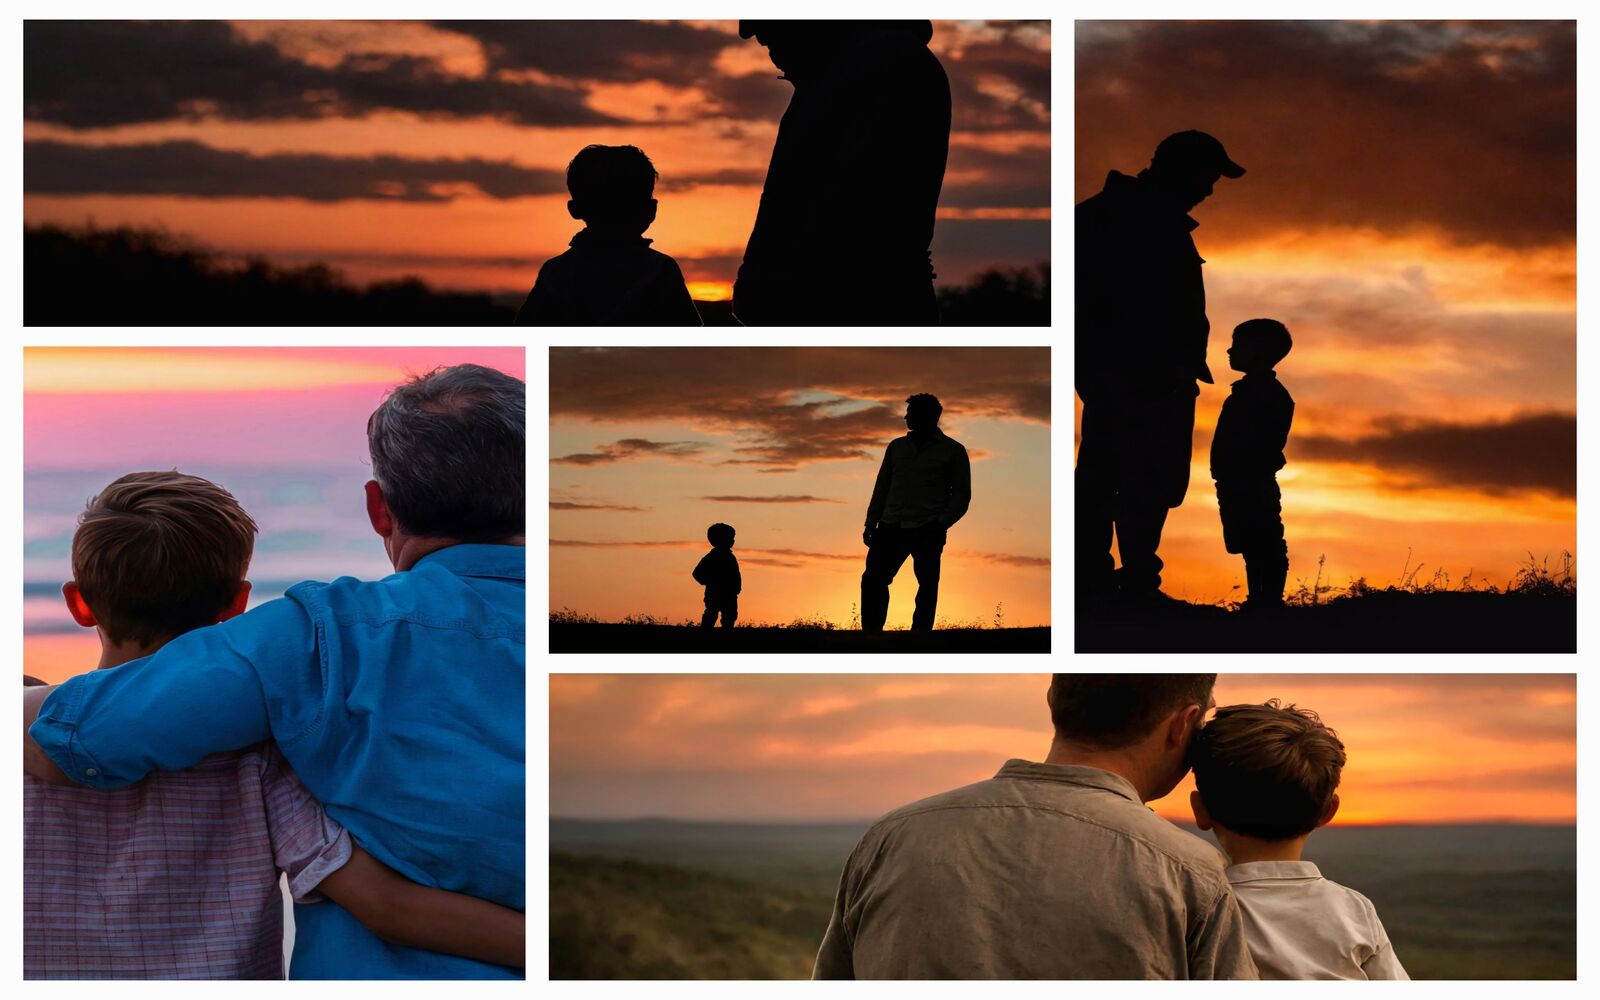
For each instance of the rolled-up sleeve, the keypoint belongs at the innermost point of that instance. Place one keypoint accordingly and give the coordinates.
(202, 693)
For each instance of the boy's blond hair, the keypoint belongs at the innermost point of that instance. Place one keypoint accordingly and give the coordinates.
(1267, 771)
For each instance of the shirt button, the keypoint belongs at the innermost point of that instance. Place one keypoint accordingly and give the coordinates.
(90, 772)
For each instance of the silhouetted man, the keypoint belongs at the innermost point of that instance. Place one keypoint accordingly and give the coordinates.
(1140, 352)
(923, 487)
(1053, 870)
(847, 210)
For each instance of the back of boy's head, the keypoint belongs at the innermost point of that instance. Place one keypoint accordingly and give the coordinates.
(612, 185)
(1267, 771)
(157, 554)
(1271, 335)
(720, 535)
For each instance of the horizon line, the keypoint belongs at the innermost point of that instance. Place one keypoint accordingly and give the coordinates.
(1490, 821)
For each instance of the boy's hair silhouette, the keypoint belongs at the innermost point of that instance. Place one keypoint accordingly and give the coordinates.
(610, 276)
(1246, 454)
(718, 572)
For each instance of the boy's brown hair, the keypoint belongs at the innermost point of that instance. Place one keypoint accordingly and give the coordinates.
(1267, 771)
(157, 554)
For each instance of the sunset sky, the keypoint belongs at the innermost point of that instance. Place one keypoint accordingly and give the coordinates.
(1434, 748)
(440, 148)
(648, 447)
(283, 429)
(1408, 210)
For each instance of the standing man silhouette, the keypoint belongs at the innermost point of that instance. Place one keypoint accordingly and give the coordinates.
(1140, 354)
(924, 486)
(847, 210)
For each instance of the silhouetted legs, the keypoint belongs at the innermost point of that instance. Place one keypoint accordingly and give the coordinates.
(728, 607)
(1252, 526)
(891, 545)
(1133, 466)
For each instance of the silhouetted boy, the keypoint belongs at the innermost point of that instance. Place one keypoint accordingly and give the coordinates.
(610, 277)
(1246, 454)
(718, 572)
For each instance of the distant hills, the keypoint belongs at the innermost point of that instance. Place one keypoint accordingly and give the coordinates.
(130, 276)
(644, 899)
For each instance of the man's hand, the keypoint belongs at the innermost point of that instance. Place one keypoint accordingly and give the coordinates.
(34, 760)
(866, 536)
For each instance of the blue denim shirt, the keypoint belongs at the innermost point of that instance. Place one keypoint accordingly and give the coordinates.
(400, 704)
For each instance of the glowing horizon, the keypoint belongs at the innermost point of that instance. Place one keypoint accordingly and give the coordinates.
(1423, 748)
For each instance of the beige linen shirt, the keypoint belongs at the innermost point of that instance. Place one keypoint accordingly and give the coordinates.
(1045, 871)
(1302, 926)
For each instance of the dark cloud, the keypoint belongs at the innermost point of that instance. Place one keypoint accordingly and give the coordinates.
(194, 169)
(91, 74)
(631, 448)
(999, 85)
(983, 178)
(777, 498)
(575, 505)
(200, 171)
(1537, 451)
(612, 51)
(1466, 128)
(751, 392)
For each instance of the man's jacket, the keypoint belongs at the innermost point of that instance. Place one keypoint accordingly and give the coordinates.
(1141, 299)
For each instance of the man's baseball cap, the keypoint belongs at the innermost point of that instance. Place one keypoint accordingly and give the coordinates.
(1198, 150)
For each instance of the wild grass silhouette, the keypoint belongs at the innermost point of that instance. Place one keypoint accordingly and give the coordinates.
(1534, 611)
(147, 276)
(576, 632)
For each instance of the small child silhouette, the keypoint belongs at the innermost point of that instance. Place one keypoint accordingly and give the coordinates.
(610, 276)
(718, 572)
(1246, 454)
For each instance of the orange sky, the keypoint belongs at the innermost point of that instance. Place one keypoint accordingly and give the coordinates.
(1408, 211)
(1423, 748)
(439, 148)
(649, 447)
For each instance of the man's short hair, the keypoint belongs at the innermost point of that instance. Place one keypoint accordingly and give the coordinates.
(720, 534)
(1112, 711)
(157, 554)
(925, 401)
(604, 177)
(448, 450)
(1267, 771)
(1272, 335)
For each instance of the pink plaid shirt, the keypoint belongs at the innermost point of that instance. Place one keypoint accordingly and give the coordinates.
(175, 877)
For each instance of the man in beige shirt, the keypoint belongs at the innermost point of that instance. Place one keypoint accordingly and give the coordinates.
(1054, 870)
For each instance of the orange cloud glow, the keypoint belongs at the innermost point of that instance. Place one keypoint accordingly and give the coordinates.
(1441, 748)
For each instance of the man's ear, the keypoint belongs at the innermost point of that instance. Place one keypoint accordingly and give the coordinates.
(77, 606)
(236, 606)
(1333, 807)
(1184, 722)
(1202, 819)
(378, 510)
(573, 210)
(652, 213)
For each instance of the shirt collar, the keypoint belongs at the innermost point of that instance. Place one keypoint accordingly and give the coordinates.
(1070, 774)
(1273, 871)
(595, 238)
(506, 562)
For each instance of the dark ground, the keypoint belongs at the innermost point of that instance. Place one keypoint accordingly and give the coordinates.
(664, 899)
(1380, 622)
(608, 637)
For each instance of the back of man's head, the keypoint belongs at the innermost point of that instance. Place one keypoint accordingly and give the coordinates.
(157, 554)
(1267, 771)
(448, 450)
(1115, 711)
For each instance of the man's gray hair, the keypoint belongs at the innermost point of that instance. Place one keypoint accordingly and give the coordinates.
(449, 451)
